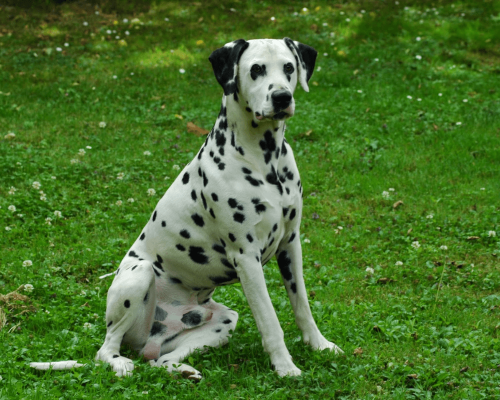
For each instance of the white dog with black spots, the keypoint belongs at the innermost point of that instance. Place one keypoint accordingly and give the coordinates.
(237, 204)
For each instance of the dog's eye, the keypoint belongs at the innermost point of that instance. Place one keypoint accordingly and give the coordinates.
(288, 68)
(257, 69)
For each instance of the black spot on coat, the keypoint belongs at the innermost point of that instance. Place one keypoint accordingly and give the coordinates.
(191, 318)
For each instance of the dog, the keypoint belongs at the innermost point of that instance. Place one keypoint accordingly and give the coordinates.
(237, 204)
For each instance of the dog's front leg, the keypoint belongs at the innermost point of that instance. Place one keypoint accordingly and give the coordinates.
(289, 257)
(252, 280)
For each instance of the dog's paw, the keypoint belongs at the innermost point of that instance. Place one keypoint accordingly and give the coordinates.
(122, 366)
(186, 371)
(318, 342)
(286, 368)
(293, 371)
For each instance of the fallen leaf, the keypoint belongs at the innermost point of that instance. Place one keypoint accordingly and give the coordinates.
(473, 238)
(192, 128)
(358, 351)
(464, 369)
(308, 133)
(397, 204)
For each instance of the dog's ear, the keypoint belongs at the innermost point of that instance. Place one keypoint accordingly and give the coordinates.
(306, 59)
(225, 64)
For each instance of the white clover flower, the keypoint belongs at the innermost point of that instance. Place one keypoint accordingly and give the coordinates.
(131, 200)
(96, 316)
(430, 216)
(66, 44)
(443, 247)
(325, 54)
(85, 23)
(182, 71)
(305, 9)
(176, 167)
(318, 69)
(151, 192)
(120, 175)
(482, 189)
(43, 197)
(12, 190)
(127, 33)
(375, 59)
(115, 77)
(58, 49)
(8, 228)
(10, 135)
(458, 123)
(386, 195)
(166, 178)
(48, 221)
(36, 185)
(11, 208)
(119, 203)
(109, 32)
(418, 38)
(87, 325)
(88, 147)
(307, 240)
(492, 234)
(53, 178)
(27, 263)
(81, 152)
(28, 287)
(370, 271)
(399, 263)
(125, 20)
(418, 57)
(419, 99)
(347, 20)
(440, 94)
(273, 19)
(391, 189)
(415, 245)
(360, 91)
(409, 97)
(102, 124)
(117, 37)
(83, 293)
(147, 153)
(74, 161)
(47, 312)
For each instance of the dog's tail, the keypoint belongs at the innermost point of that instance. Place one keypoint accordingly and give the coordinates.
(56, 365)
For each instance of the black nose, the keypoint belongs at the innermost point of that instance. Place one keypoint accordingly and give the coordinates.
(281, 99)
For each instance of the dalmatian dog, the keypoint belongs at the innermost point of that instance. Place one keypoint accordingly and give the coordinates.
(237, 204)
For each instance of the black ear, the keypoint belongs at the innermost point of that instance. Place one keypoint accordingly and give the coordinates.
(225, 64)
(306, 59)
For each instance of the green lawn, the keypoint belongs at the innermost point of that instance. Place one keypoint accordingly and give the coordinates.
(398, 144)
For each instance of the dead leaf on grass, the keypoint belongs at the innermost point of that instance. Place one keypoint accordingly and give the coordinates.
(358, 351)
(397, 204)
(192, 128)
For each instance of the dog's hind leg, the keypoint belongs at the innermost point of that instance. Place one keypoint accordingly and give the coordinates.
(213, 333)
(129, 312)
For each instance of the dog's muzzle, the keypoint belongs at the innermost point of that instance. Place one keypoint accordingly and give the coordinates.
(282, 102)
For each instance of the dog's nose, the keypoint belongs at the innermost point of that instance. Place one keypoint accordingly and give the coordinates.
(281, 99)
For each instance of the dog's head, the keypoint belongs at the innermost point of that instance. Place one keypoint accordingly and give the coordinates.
(262, 74)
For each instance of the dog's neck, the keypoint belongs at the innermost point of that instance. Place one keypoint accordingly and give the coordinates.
(258, 139)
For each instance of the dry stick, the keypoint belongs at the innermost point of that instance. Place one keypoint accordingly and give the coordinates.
(439, 285)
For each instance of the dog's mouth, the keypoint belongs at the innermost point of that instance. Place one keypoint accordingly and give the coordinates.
(277, 116)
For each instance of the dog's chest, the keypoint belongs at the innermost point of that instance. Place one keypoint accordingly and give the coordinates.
(222, 207)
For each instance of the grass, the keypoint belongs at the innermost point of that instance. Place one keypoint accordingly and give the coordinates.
(405, 97)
